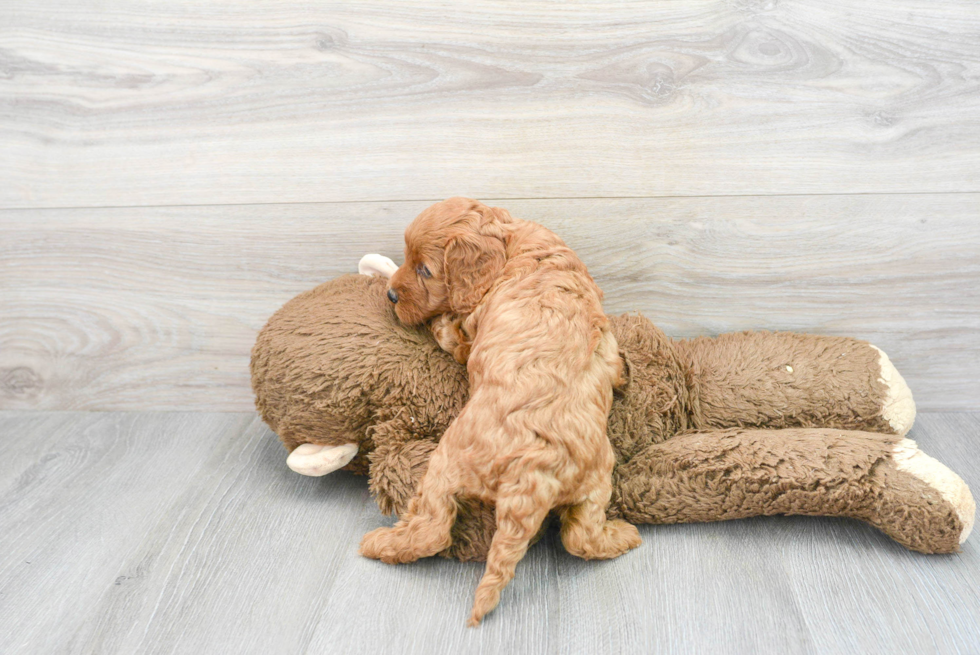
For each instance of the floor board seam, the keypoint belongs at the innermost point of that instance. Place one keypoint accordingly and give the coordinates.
(497, 198)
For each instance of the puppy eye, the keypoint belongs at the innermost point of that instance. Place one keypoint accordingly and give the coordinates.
(424, 271)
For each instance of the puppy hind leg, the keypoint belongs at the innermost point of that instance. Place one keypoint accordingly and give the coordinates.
(586, 533)
(518, 520)
(424, 530)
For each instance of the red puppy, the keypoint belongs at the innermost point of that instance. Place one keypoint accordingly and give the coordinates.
(510, 299)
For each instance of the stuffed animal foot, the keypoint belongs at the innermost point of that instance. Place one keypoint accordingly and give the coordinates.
(316, 460)
(406, 542)
(923, 504)
(897, 407)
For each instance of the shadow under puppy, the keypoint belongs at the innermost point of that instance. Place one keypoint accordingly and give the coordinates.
(519, 307)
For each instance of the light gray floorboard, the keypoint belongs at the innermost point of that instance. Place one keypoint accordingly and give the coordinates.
(186, 533)
(158, 308)
(145, 102)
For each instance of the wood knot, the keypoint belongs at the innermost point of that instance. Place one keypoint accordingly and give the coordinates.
(20, 381)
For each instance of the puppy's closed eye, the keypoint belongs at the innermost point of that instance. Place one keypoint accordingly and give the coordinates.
(424, 271)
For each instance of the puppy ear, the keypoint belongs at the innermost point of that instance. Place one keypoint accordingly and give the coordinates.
(472, 262)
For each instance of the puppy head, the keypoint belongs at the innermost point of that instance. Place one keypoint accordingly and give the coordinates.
(454, 250)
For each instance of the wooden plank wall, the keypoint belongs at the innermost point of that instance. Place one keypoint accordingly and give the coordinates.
(171, 173)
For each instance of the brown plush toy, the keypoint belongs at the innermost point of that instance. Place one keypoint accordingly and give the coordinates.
(749, 424)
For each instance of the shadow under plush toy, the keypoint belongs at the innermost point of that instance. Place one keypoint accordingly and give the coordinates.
(707, 429)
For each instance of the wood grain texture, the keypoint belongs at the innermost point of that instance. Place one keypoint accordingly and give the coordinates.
(186, 533)
(179, 102)
(158, 308)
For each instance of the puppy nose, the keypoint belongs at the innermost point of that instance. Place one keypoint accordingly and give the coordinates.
(392, 295)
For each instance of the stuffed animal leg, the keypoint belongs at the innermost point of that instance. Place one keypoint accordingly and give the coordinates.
(784, 379)
(717, 475)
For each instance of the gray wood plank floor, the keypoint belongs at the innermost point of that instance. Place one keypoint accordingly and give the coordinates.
(185, 532)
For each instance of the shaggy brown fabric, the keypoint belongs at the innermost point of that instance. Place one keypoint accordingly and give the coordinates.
(335, 366)
(736, 473)
(910, 511)
(329, 368)
(796, 379)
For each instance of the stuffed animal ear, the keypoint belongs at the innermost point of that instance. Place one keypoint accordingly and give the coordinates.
(379, 265)
(473, 260)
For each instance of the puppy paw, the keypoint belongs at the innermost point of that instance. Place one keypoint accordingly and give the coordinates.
(386, 545)
(451, 337)
(622, 537)
(373, 543)
(616, 538)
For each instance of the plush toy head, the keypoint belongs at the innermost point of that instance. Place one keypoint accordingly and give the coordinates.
(334, 368)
